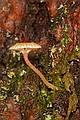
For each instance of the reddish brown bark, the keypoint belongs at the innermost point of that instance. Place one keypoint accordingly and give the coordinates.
(9, 110)
(14, 19)
(52, 7)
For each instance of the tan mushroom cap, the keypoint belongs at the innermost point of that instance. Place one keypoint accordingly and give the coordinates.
(25, 46)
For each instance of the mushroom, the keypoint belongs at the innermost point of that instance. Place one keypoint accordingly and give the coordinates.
(25, 48)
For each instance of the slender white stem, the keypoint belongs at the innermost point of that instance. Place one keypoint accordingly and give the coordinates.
(49, 85)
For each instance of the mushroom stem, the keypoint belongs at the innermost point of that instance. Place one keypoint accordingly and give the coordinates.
(49, 85)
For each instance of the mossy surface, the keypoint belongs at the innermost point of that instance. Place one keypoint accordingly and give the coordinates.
(58, 61)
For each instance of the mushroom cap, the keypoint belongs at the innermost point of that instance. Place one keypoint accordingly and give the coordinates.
(25, 46)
